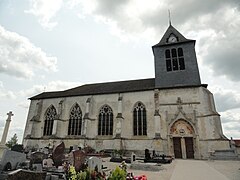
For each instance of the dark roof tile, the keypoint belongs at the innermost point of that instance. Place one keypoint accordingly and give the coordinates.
(101, 88)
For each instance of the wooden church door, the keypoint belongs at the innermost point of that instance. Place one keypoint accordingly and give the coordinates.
(177, 147)
(189, 147)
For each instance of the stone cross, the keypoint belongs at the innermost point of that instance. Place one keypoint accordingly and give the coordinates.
(5, 131)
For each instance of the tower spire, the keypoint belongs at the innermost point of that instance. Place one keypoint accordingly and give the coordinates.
(169, 17)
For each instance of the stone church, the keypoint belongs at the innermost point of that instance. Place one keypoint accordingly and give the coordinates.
(172, 113)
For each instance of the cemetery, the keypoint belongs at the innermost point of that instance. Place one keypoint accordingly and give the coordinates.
(80, 163)
(61, 163)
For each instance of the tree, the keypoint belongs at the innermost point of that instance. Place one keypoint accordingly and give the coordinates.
(13, 141)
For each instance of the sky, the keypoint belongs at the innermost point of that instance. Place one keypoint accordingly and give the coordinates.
(49, 45)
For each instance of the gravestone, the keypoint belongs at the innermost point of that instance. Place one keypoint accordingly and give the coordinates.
(94, 162)
(147, 154)
(70, 149)
(133, 158)
(58, 154)
(48, 163)
(75, 147)
(37, 157)
(37, 167)
(78, 159)
(154, 154)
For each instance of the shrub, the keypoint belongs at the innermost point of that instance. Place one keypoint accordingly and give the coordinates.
(117, 174)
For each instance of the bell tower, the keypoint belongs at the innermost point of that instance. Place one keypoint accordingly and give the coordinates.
(175, 61)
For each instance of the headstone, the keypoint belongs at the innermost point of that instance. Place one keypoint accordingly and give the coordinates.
(94, 162)
(133, 158)
(37, 157)
(17, 148)
(47, 163)
(58, 154)
(147, 154)
(37, 167)
(75, 147)
(70, 149)
(77, 158)
(154, 154)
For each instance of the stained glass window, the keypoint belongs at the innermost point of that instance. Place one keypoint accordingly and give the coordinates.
(75, 121)
(139, 120)
(51, 114)
(105, 121)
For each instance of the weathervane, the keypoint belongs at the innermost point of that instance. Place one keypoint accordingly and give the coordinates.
(169, 17)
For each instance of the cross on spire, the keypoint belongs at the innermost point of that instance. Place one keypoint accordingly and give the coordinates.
(10, 114)
(169, 17)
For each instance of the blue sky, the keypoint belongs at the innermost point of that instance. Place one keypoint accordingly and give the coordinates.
(58, 44)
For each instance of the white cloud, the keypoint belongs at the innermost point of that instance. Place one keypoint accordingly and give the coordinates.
(215, 24)
(6, 93)
(51, 86)
(226, 99)
(19, 57)
(231, 123)
(24, 104)
(45, 11)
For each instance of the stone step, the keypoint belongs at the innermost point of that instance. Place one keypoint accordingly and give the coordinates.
(227, 154)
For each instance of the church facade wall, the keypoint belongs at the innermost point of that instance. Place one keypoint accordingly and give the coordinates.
(191, 105)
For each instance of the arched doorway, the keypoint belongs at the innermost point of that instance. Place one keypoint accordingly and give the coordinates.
(182, 133)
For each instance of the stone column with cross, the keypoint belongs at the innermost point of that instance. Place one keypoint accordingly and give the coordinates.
(119, 118)
(157, 117)
(6, 128)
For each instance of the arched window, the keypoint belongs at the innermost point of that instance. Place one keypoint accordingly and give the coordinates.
(139, 120)
(105, 121)
(75, 121)
(174, 59)
(51, 114)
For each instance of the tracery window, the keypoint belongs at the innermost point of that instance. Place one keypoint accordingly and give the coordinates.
(105, 121)
(174, 59)
(75, 121)
(51, 114)
(139, 120)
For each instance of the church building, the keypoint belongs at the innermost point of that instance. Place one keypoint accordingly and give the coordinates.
(173, 113)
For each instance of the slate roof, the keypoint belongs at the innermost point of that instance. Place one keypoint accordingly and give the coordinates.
(169, 31)
(101, 88)
(107, 88)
